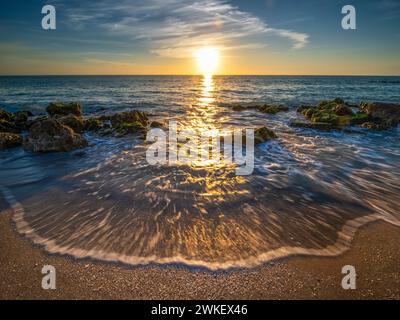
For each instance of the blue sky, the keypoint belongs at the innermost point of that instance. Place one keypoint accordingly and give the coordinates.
(159, 37)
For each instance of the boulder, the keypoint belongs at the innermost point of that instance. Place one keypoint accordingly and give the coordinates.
(5, 115)
(125, 128)
(7, 126)
(9, 140)
(343, 110)
(128, 117)
(263, 134)
(74, 122)
(388, 113)
(51, 136)
(92, 124)
(61, 109)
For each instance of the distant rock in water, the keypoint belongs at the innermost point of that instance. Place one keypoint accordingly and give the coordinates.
(60, 108)
(273, 109)
(263, 134)
(51, 136)
(9, 140)
(328, 115)
(384, 114)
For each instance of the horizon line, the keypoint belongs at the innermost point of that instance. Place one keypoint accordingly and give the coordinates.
(199, 75)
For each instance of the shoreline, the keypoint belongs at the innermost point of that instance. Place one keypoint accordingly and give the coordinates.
(295, 277)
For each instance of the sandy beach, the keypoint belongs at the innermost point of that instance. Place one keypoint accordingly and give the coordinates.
(378, 274)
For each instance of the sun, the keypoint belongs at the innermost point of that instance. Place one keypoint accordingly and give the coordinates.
(207, 60)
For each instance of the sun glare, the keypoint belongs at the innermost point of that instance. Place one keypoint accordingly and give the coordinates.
(207, 60)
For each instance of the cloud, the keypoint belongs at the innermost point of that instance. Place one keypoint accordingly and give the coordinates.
(176, 28)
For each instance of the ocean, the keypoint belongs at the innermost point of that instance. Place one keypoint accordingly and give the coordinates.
(309, 193)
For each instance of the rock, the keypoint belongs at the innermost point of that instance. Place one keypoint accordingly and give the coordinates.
(263, 134)
(9, 140)
(238, 108)
(343, 110)
(7, 126)
(92, 124)
(51, 136)
(5, 115)
(302, 109)
(388, 113)
(129, 117)
(125, 128)
(329, 115)
(273, 109)
(376, 126)
(157, 124)
(74, 122)
(61, 109)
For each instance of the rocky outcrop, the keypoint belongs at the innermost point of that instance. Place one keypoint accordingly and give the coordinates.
(51, 136)
(382, 113)
(328, 115)
(73, 122)
(9, 140)
(263, 134)
(62, 109)
(92, 124)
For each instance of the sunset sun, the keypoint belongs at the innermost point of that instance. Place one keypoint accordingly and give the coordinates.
(207, 60)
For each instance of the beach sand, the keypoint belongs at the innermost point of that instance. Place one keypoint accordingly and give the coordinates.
(375, 254)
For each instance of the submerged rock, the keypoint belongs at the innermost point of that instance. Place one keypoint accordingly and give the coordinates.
(61, 109)
(273, 109)
(263, 134)
(9, 140)
(51, 136)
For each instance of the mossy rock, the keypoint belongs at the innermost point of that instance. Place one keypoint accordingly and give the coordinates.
(51, 136)
(273, 109)
(5, 115)
(9, 140)
(73, 122)
(60, 108)
(343, 110)
(7, 126)
(128, 117)
(131, 128)
(360, 118)
(92, 124)
(263, 134)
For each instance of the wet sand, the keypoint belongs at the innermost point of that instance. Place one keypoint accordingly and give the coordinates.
(375, 253)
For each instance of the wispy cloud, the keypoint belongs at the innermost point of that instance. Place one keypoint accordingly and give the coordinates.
(176, 28)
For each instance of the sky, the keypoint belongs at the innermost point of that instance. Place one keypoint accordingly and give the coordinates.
(252, 37)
